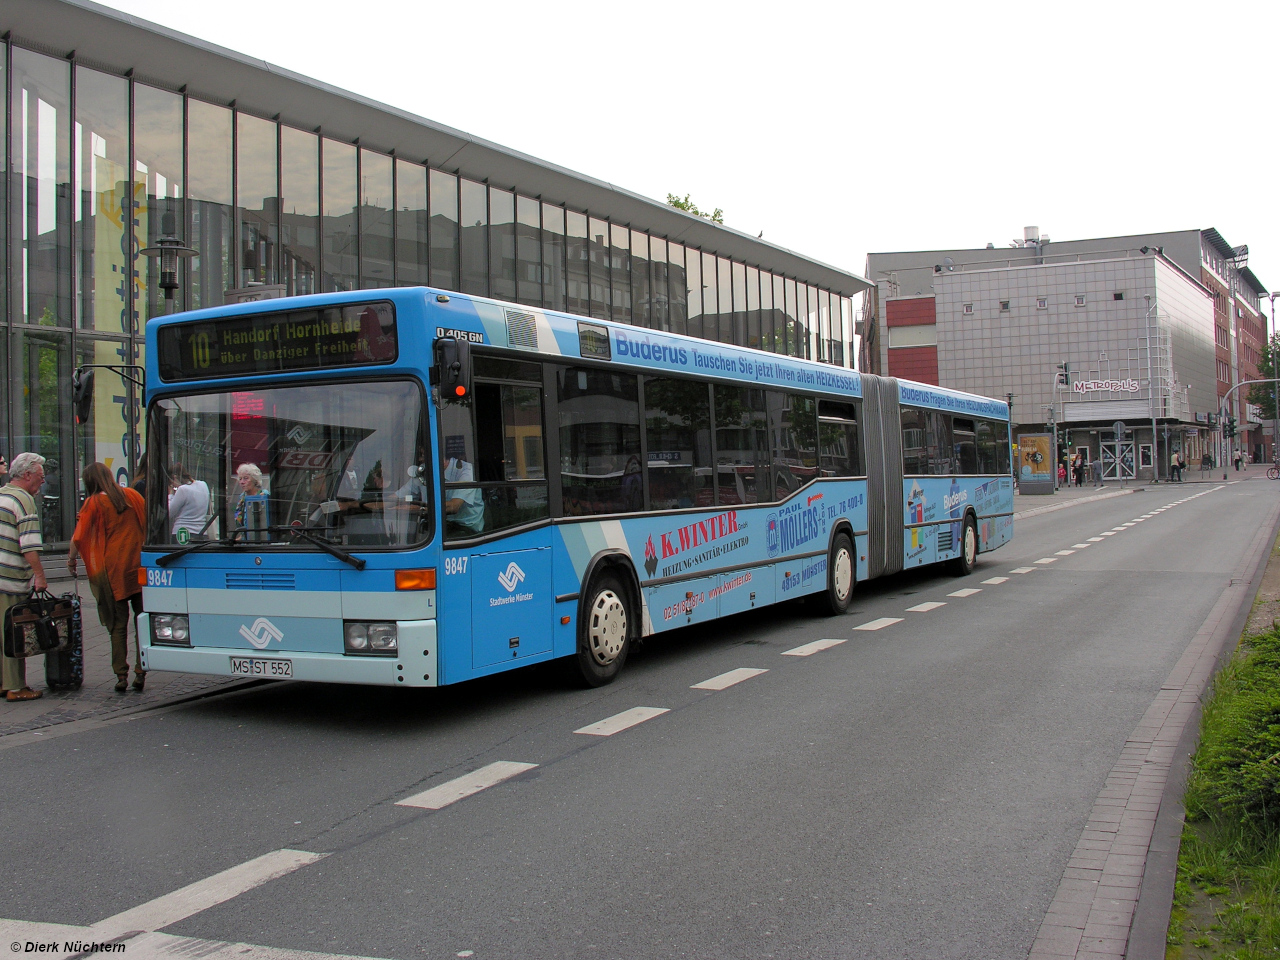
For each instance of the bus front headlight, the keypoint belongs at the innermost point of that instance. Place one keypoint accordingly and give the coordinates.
(170, 628)
(370, 639)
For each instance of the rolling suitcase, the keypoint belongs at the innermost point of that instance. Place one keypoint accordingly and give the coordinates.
(64, 666)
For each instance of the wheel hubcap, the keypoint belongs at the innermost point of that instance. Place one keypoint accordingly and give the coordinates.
(608, 627)
(842, 576)
(970, 545)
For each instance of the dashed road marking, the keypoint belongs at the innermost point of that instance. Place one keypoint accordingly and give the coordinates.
(726, 680)
(1047, 560)
(1024, 569)
(621, 721)
(815, 646)
(1095, 539)
(879, 624)
(926, 606)
(1064, 553)
(1080, 546)
(1108, 533)
(437, 798)
(964, 592)
(996, 580)
(203, 894)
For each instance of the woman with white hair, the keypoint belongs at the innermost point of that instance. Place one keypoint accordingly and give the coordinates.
(249, 476)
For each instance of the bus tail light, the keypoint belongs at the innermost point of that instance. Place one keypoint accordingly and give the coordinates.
(142, 576)
(416, 579)
(370, 639)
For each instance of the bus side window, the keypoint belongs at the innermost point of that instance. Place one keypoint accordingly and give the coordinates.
(838, 442)
(793, 432)
(599, 414)
(987, 446)
(677, 420)
(966, 446)
(915, 439)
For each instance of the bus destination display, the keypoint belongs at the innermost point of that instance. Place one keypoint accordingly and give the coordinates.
(351, 335)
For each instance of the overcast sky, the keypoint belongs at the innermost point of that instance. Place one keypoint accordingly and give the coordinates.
(836, 128)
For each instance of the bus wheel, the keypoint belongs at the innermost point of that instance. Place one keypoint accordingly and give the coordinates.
(604, 632)
(840, 575)
(962, 565)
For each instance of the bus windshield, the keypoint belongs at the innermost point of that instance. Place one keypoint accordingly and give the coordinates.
(345, 462)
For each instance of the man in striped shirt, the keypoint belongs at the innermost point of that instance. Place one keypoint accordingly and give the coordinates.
(20, 569)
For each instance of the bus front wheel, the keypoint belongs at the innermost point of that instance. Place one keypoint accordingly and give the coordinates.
(963, 565)
(604, 633)
(841, 575)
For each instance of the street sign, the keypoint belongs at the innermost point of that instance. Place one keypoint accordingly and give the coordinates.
(1119, 428)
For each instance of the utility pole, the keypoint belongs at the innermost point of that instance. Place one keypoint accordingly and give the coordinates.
(1151, 397)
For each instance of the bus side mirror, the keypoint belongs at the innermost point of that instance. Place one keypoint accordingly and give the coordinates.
(82, 394)
(453, 368)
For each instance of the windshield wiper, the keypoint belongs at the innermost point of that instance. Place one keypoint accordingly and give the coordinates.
(232, 541)
(302, 534)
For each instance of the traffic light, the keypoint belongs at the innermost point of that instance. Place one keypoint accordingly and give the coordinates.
(1068, 438)
(1231, 428)
(82, 394)
(1064, 374)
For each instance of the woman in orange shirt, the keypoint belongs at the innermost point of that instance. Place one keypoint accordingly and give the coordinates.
(108, 536)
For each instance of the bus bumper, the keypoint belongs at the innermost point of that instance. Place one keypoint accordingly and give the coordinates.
(416, 665)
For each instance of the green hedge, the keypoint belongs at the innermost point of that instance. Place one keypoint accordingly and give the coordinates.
(1236, 775)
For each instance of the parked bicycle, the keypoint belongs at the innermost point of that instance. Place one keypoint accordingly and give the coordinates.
(1273, 471)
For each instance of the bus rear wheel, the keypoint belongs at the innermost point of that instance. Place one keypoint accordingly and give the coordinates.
(604, 631)
(963, 565)
(841, 576)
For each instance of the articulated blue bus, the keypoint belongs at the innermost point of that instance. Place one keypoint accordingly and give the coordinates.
(412, 487)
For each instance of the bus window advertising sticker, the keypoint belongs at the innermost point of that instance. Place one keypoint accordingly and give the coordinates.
(356, 334)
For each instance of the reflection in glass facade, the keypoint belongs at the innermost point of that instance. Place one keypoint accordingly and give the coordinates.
(102, 165)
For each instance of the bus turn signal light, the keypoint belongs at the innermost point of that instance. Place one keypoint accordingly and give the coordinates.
(142, 576)
(416, 579)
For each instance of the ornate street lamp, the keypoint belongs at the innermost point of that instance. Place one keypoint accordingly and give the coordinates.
(169, 249)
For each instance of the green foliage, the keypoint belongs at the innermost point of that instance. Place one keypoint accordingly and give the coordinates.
(1237, 769)
(1264, 394)
(687, 205)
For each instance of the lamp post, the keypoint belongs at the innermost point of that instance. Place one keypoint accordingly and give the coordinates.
(169, 249)
(1151, 398)
(1275, 412)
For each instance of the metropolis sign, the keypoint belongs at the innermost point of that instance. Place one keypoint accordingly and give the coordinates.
(1110, 386)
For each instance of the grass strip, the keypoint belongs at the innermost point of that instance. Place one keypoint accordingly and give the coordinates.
(1227, 895)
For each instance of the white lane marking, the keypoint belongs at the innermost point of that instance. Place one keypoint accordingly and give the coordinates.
(1108, 533)
(816, 646)
(996, 580)
(1064, 553)
(964, 592)
(621, 721)
(1024, 569)
(1080, 546)
(926, 606)
(437, 798)
(879, 624)
(1047, 560)
(1135, 520)
(726, 680)
(203, 894)
(1095, 539)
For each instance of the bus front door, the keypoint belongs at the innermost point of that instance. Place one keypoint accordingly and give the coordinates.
(511, 605)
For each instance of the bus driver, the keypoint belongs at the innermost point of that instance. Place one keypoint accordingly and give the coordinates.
(464, 509)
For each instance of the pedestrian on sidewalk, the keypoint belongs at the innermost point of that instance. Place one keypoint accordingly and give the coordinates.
(20, 569)
(1238, 459)
(1097, 473)
(1077, 469)
(109, 537)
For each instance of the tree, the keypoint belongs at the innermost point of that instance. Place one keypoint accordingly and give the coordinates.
(1264, 394)
(687, 205)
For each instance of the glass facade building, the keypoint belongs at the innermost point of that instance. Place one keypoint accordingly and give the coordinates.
(103, 159)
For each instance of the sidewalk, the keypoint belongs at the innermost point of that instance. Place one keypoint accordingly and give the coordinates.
(97, 698)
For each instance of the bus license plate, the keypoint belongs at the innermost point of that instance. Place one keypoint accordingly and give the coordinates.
(256, 667)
